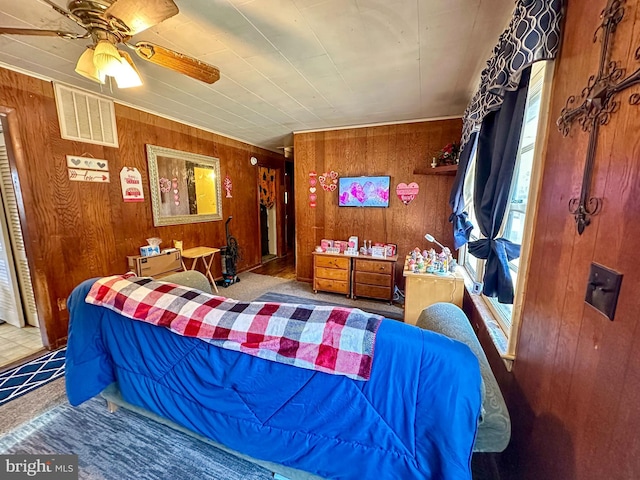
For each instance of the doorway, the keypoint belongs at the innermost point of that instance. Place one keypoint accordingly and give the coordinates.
(268, 188)
(19, 332)
(290, 209)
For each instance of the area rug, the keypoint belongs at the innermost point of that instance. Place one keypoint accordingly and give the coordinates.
(283, 298)
(125, 445)
(26, 378)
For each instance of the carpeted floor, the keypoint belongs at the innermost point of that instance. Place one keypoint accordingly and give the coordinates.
(31, 405)
(125, 445)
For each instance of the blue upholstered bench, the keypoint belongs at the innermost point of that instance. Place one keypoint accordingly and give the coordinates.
(494, 430)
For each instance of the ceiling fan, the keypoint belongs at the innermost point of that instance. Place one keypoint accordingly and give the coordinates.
(110, 23)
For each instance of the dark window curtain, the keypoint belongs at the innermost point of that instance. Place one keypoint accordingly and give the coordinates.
(498, 144)
(459, 218)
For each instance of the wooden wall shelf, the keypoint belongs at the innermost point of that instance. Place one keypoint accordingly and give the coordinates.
(443, 170)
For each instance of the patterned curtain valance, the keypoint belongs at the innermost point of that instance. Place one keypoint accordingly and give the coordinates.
(533, 34)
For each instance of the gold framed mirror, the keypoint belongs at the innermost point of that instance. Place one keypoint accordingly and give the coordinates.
(185, 187)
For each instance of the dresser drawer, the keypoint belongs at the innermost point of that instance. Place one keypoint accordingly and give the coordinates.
(331, 285)
(332, 262)
(372, 291)
(332, 274)
(373, 279)
(373, 266)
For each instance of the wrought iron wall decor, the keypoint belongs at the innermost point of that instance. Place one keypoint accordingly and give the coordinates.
(597, 104)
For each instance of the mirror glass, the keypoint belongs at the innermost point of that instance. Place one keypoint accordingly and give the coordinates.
(185, 187)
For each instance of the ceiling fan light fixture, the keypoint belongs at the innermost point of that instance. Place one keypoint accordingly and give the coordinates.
(128, 75)
(106, 58)
(87, 68)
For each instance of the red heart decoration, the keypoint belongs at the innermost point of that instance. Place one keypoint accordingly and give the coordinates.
(329, 181)
(407, 193)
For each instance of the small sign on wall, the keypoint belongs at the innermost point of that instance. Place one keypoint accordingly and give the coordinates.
(78, 175)
(131, 183)
(83, 169)
(407, 193)
(87, 163)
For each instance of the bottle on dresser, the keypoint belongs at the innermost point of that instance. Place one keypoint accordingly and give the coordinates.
(363, 249)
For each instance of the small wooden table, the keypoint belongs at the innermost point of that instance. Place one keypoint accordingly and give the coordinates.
(201, 252)
(424, 289)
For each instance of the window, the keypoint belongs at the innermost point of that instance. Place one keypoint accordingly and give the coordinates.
(518, 220)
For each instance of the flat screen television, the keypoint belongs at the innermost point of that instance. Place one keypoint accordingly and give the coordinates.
(363, 192)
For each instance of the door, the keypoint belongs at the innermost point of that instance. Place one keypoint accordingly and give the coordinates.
(270, 224)
(10, 304)
(17, 281)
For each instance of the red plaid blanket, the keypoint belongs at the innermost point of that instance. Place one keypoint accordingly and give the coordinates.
(336, 340)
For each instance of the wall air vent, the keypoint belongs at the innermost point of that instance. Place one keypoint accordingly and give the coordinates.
(85, 117)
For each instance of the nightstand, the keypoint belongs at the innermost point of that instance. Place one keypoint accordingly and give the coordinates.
(424, 289)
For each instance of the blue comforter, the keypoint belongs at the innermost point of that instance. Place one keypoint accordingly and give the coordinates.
(415, 418)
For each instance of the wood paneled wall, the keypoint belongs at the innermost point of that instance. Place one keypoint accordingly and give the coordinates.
(395, 150)
(573, 393)
(78, 230)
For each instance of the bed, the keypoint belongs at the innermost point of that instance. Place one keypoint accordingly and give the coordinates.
(416, 417)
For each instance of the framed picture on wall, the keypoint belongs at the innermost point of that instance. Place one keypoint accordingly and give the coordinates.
(185, 187)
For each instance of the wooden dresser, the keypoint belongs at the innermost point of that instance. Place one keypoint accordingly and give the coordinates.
(331, 273)
(374, 277)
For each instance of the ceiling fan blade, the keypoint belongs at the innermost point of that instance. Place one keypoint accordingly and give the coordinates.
(177, 61)
(139, 15)
(41, 33)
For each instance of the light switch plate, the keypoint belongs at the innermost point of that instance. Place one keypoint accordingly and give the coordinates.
(603, 289)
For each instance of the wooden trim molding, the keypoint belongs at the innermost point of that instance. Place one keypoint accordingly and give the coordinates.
(540, 155)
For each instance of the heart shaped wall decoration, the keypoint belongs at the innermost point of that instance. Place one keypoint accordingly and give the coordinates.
(407, 193)
(329, 181)
(312, 189)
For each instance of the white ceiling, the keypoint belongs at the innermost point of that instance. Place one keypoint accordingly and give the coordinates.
(290, 65)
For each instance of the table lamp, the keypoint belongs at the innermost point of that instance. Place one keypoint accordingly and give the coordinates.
(430, 238)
